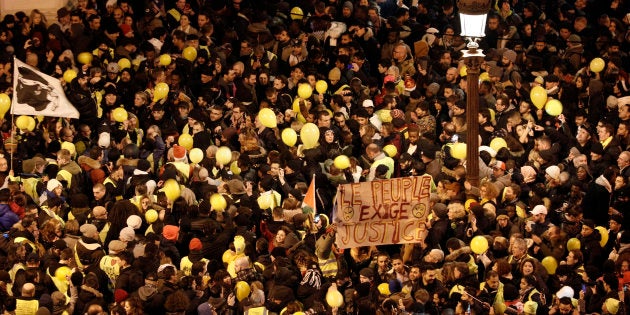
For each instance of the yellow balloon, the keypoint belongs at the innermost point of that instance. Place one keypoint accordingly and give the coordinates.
(5, 104)
(267, 118)
(223, 155)
(218, 202)
(484, 77)
(289, 137)
(242, 290)
(550, 263)
(99, 97)
(604, 233)
(305, 90)
(63, 273)
(165, 60)
(31, 124)
(479, 244)
(234, 168)
(334, 298)
(390, 150)
(265, 201)
(458, 150)
(151, 216)
(186, 141)
(309, 135)
(120, 114)
(321, 86)
(85, 58)
(538, 95)
(190, 53)
(171, 189)
(383, 288)
(342, 162)
(463, 71)
(195, 155)
(553, 107)
(69, 75)
(296, 105)
(124, 63)
(573, 243)
(22, 122)
(497, 143)
(161, 91)
(597, 65)
(297, 13)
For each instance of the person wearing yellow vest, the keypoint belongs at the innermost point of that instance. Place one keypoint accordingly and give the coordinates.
(110, 263)
(27, 303)
(491, 291)
(113, 183)
(529, 293)
(374, 153)
(195, 255)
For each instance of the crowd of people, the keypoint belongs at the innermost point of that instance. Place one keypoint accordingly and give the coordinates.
(135, 208)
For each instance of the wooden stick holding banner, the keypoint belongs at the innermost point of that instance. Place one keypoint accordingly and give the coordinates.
(382, 212)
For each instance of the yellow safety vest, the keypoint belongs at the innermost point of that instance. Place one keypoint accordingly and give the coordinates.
(26, 307)
(111, 181)
(328, 266)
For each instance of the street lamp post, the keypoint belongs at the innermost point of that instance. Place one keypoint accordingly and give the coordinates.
(472, 14)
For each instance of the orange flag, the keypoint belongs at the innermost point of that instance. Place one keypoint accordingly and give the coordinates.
(309, 199)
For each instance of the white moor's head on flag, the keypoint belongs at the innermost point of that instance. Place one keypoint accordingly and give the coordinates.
(35, 93)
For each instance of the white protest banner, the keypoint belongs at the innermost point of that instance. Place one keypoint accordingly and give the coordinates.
(392, 211)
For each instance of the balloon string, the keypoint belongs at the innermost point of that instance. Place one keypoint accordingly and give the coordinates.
(13, 135)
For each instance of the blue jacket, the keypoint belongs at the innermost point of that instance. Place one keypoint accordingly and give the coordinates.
(7, 217)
